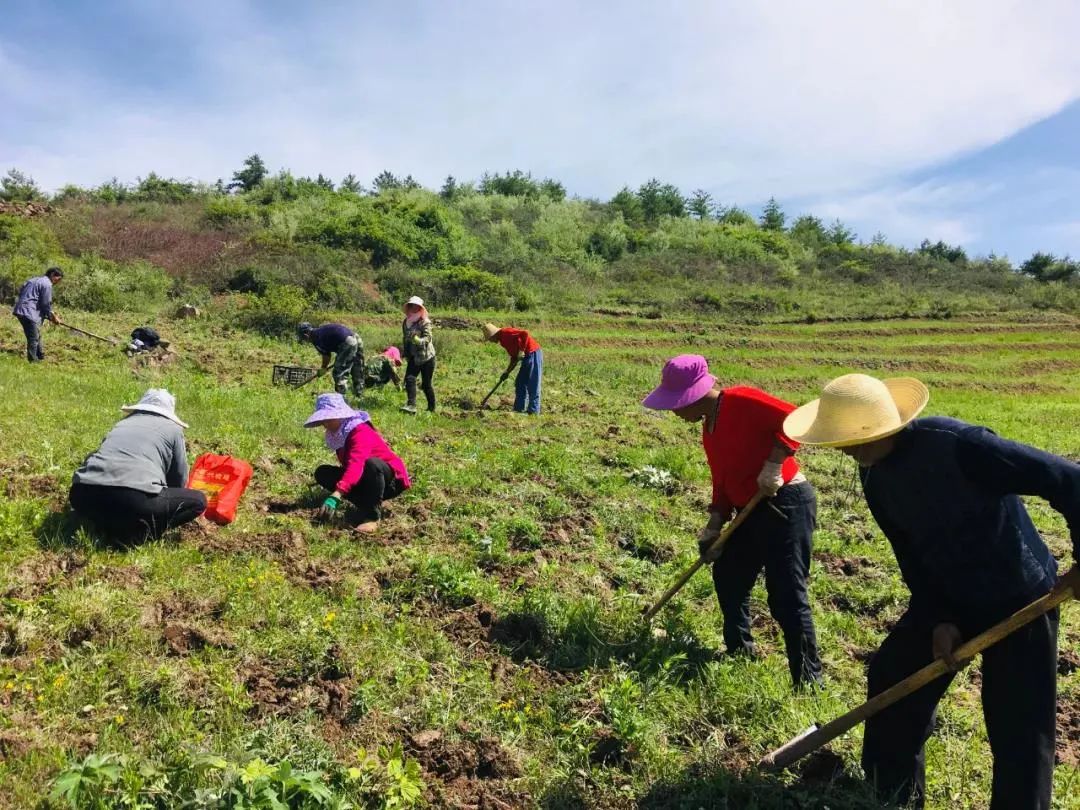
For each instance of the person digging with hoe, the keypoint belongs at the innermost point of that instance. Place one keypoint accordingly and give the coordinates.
(348, 350)
(33, 306)
(419, 347)
(132, 488)
(368, 472)
(946, 495)
(522, 348)
(748, 452)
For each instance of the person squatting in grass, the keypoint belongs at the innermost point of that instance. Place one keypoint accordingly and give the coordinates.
(369, 471)
(33, 306)
(946, 495)
(523, 348)
(132, 487)
(348, 350)
(419, 348)
(747, 451)
(382, 369)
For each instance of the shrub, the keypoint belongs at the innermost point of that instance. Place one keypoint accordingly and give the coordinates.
(464, 287)
(98, 285)
(277, 312)
(225, 210)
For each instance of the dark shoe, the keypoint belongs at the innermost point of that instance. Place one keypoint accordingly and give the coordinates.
(409, 408)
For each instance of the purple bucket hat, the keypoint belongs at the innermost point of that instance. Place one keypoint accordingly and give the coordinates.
(684, 380)
(331, 406)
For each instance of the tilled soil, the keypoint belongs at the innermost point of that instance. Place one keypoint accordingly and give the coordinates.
(469, 772)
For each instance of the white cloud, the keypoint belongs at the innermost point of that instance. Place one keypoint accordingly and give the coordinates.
(744, 99)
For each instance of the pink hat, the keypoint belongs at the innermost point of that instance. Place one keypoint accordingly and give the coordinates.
(393, 354)
(684, 380)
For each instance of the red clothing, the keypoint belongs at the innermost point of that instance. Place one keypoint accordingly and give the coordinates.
(362, 443)
(516, 341)
(747, 427)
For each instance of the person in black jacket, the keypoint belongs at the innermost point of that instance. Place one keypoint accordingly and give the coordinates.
(946, 495)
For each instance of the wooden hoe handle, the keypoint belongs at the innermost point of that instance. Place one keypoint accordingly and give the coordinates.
(815, 737)
(717, 545)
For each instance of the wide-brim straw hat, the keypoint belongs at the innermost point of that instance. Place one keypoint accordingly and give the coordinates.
(490, 330)
(857, 409)
(158, 401)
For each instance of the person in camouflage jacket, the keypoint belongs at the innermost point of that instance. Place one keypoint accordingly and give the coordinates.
(419, 349)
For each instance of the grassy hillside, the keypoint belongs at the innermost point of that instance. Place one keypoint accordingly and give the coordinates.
(491, 627)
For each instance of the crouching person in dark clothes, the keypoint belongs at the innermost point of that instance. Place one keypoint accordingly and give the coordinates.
(132, 487)
(370, 472)
(347, 349)
(747, 451)
(946, 495)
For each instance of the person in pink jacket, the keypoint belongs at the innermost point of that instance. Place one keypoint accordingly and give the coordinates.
(369, 471)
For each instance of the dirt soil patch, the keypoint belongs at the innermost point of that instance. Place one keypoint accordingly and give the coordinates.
(1068, 733)
(845, 566)
(471, 771)
(183, 639)
(1068, 662)
(41, 572)
(273, 693)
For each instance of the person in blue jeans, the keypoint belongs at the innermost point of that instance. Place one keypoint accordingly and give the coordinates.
(946, 495)
(524, 350)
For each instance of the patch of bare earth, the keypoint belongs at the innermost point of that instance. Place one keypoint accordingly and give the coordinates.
(42, 572)
(473, 771)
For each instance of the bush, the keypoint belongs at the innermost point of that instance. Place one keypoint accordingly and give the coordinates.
(277, 312)
(98, 285)
(464, 287)
(224, 210)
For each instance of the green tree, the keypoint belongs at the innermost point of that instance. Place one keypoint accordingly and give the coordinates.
(701, 204)
(627, 203)
(839, 234)
(733, 215)
(1048, 267)
(660, 199)
(251, 176)
(449, 190)
(409, 184)
(324, 182)
(159, 189)
(772, 216)
(809, 231)
(350, 183)
(386, 181)
(939, 250)
(19, 187)
(553, 190)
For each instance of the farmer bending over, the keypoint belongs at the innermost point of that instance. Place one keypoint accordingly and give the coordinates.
(945, 494)
(522, 348)
(382, 369)
(747, 451)
(347, 348)
(132, 487)
(34, 305)
(369, 474)
(419, 347)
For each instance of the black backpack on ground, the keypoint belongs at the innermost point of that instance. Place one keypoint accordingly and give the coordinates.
(148, 336)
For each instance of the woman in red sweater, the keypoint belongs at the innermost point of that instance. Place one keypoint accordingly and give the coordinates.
(370, 472)
(747, 451)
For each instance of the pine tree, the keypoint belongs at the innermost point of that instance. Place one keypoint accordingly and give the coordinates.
(772, 216)
(701, 204)
(251, 176)
(350, 183)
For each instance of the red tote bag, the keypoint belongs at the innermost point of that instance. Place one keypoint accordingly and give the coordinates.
(223, 479)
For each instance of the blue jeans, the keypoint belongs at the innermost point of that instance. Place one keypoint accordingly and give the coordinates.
(32, 330)
(527, 383)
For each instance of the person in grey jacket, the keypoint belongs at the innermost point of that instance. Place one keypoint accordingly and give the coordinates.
(419, 348)
(132, 487)
(33, 306)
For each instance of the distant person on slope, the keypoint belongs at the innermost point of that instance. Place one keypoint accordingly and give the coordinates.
(382, 369)
(419, 348)
(748, 451)
(946, 495)
(347, 348)
(132, 488)
(523, 349)
(34, 305)
(368, 472)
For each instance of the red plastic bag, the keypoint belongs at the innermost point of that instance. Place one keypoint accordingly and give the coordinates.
(223, 479)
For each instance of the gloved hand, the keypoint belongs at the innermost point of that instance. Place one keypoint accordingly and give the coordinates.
(329, 508)
(770, 479)
(709, 535)
(417, 340)
(946, 638)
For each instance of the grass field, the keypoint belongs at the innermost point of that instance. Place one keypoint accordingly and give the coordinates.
(491, 627)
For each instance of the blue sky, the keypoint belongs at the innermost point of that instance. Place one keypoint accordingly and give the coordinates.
(957, 121)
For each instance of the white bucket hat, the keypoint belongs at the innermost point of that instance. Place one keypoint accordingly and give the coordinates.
(416, 299)
(159, 401)
(856, 409)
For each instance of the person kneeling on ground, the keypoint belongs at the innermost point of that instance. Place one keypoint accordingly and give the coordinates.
(523, 348)
(370, 472)
(132, 487)
(348, 350)
(382, 369)
(419, 347)
(946, 495)
(747, 451)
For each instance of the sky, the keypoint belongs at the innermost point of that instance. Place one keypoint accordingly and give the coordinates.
(955, 120)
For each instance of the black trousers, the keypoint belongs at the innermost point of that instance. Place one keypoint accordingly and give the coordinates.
(426, 372)
(128, 516)
(1019, 697)
(777, 536)
(377, 484)
(32, 330)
